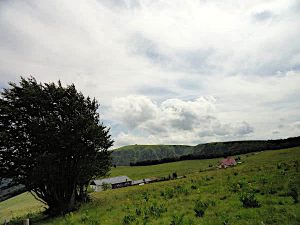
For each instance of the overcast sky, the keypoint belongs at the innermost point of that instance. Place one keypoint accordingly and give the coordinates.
(172, 72)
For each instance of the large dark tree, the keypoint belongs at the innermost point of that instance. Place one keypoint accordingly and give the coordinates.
(52, 141)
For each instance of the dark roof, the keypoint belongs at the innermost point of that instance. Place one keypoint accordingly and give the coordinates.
(111, 180)
(145, 180)
(137, 182)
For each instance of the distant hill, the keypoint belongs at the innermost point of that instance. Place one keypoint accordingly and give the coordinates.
(8, 189)
(138, 153)
(156, 154)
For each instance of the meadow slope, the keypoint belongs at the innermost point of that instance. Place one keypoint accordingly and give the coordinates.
(269, 176)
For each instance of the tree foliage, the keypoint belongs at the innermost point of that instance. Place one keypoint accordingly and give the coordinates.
(52, 141)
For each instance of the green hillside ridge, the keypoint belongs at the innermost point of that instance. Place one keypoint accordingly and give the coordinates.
(136, 153)
(270, 175)
(132, 154)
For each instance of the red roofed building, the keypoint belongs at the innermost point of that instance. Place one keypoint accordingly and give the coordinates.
(226, 162)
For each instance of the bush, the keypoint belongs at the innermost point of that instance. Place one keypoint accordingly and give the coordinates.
(174, 175)
(181, 190)
(193, 187)
(138, 211)
(293, 191)
(294, 194)
(200, 208)
(128, 219)
(106, 186)
(145, 196)
(168, 193)
(223, 197)
(177, 220)
(297, 165)
(155, 210)
(249, 201)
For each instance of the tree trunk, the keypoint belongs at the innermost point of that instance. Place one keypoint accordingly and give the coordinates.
(63, 205)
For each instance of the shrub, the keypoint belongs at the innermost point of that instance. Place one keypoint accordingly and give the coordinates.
(181, 190)
(235, 187)
(249, 201)
(200, 208)
(297, 165)
(106, 186)
(155, 210)
(293, 191)
(168, 193)
(241, 185)
(223, 197)
(177, 220)
(294, 195)
(138, 211)
(193, 187)
(128, 219)
(145, 196)
(174, 175)
(283, 166)
(272, 190)
(208, 178)
(85, 217)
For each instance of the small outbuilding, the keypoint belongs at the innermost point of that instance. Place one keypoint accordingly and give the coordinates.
(227, 162)
(114, 182)
(143, 181)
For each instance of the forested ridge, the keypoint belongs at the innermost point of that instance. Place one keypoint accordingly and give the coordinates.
(156, 154)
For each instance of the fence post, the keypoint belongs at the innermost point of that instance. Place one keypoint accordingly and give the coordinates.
(26, 222)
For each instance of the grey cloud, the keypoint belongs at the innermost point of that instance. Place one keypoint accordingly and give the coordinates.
(120, 4)
(186, 121)
(264, 15)
(243, 129)
(147, 48)
(190, 84)
(155, 91)
(195, 61)
(192, 61)
(175, 117)
(297, 125)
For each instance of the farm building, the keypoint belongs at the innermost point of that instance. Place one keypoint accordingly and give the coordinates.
(115, 182)
(226, 162)
(143, 181)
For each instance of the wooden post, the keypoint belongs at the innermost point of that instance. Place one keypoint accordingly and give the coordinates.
(26, 222)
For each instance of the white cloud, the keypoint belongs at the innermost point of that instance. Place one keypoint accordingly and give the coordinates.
(133, 110)
(147, 62)
(173, 120)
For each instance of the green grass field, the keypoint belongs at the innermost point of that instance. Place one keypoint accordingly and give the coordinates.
(181, 167)
(269, 176)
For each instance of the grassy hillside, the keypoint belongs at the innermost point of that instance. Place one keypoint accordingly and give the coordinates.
(181, 168)
(18, 206)
(135, 153)
(269, 175)
(156, 154)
